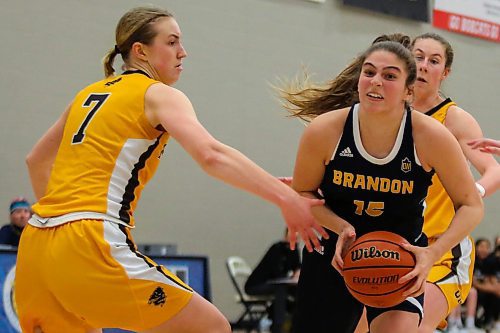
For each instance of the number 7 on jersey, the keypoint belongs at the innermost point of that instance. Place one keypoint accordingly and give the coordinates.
(99, 99)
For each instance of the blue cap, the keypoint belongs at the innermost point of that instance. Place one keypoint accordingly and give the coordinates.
(19, 203)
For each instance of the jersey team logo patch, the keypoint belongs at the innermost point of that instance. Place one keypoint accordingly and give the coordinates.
(346, 152)
(406, 165)
(158, 297)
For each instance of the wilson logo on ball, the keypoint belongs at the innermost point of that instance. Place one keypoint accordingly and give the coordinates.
(373, 266)
(372, 252)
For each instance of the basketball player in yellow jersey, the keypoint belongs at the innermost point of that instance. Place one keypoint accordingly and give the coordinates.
(77, 268)
(450, 279)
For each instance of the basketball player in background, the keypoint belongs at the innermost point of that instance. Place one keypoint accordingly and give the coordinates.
(87, 173)
(346, 146)
(450, 278)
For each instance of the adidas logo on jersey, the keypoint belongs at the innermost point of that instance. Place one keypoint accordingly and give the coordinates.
(320, 250)
(346, 152)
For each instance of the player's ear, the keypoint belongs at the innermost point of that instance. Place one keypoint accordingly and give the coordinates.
(139, 51)
(409, 95)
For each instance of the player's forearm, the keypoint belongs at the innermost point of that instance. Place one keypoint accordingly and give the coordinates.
(234, 168)
(490, 180)
(326, 217)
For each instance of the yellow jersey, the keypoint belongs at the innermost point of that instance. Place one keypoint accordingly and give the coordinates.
(439, 210)
(108, 152)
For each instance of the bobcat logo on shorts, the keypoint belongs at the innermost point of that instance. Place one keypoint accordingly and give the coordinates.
(158, 297)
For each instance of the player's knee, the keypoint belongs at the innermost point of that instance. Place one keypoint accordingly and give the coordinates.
(221, 326)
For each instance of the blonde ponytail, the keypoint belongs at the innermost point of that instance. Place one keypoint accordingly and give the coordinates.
(108, 61)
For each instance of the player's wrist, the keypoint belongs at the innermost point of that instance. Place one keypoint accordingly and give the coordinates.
(480, 190)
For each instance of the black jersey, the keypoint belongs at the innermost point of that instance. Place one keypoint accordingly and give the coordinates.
(377, 194)
(371, 194)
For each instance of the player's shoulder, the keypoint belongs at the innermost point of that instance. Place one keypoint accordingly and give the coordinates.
(459, 119)
(427, 130)
(159, 89)
(335, 118)
(422, 123)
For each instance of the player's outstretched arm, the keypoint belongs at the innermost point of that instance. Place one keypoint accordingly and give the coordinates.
(173, 110)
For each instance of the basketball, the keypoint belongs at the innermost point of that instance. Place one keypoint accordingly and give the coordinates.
(372, 267)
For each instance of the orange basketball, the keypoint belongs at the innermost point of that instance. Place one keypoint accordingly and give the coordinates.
(372, 267)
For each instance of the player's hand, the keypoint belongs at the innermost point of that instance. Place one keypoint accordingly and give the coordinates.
(424, 261)
(286, 180)
(299, 219)
(486, 145)
(344, 242)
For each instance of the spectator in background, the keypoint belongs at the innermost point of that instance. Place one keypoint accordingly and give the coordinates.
(20, 212)
(455, 325)
(278, 262)
(489, 290)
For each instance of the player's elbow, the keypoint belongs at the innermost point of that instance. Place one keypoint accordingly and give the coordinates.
(478, 208)
(30, 160)
(210, 157)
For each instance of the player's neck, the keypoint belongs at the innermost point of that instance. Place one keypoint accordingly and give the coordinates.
(424, 103)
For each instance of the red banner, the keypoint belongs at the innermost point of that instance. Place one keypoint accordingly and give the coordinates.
(467, 25)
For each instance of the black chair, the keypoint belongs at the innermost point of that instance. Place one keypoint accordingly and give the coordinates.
(255, 308)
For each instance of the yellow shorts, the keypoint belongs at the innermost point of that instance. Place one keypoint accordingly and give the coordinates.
(88, 274)
(453, 273)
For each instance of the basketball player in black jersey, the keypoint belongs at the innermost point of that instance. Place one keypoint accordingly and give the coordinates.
(372, 160)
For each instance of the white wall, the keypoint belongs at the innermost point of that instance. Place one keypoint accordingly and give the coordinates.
(52, 48)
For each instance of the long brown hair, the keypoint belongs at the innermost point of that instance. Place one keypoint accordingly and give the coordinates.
(137, 25)
(307, 100)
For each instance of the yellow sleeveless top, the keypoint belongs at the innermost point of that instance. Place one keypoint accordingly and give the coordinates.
(108, 152)
(439, 210)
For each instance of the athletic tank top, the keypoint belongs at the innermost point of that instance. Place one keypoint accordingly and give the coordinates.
(377, 194)
(108, 152)
(439, 209)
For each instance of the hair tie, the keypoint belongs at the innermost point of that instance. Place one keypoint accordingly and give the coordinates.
(117, 50)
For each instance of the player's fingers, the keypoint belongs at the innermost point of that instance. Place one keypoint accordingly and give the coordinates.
(473, 143)
(313, 238)
(286, 180)
(408, 277)
(307, 242)
(422, 288)
(409, 247)
(416, 289)
(321, 231)
(317, 202)
(491, 150)
(337, 263)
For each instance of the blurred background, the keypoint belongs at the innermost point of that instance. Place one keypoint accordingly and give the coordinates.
(236, 50)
